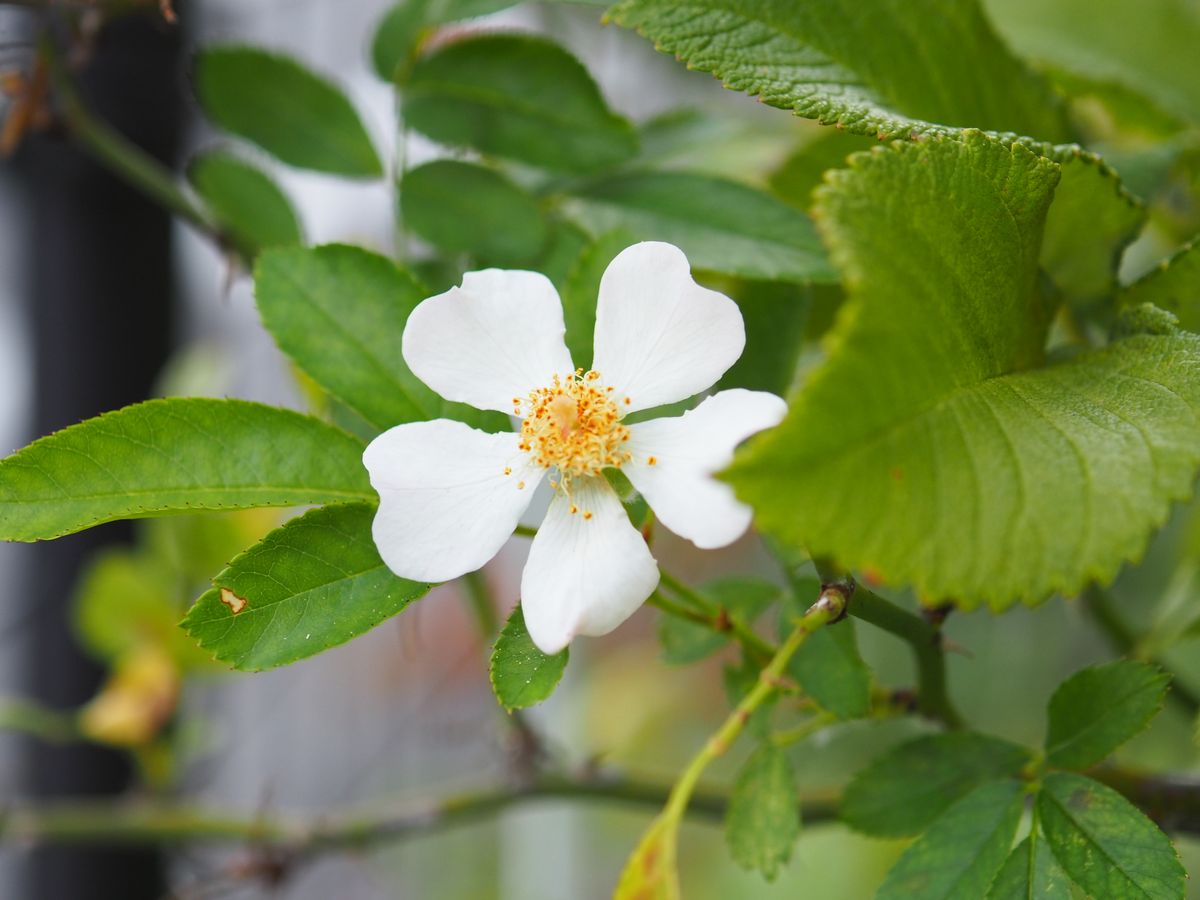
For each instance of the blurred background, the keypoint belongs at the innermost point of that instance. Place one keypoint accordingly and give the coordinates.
(106, 300)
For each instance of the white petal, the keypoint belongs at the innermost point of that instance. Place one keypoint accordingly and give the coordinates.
(445, 505)
(687, 450)
(584, 576)
(660, 337)
(497, 337)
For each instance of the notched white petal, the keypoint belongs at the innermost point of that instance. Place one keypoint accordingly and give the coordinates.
(496, 337)
(675, 458)
(588, 570)
(449, 496)
(660, 337)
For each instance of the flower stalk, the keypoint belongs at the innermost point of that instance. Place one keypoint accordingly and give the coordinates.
(829, 607)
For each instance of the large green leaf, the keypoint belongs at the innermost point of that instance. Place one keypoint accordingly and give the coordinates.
(1174, 286)
(763, 820)
(961, 852)
(1149, 48)
(519, 97)
(339, 313)
(523, 675)
(179, 455)
(1105, 844)
(721, 225)
(931, 447)
(886, 67)
(293, 114)
(1098, 709)
(1031, 873)
(313, 584)
(248, 205)
(904, 790)
(461, 207)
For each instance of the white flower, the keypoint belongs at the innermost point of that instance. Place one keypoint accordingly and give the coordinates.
(450, 495)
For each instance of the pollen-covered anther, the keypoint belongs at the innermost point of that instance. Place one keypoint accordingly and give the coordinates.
(574, 426)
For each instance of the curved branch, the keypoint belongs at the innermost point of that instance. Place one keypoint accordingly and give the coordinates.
(98, 822)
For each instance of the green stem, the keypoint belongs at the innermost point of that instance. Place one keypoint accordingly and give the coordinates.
(479, 599)
(828, 607)
(712, 617)
(527, 749)
(1099, 605)
(933, 700)
(804, 730)
(115, 151)
(105, 822)
(49, 725)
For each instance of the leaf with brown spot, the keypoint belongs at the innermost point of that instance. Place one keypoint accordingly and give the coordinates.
(235, 603)
(651, 873)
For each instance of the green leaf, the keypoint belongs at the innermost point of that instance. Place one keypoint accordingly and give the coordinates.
(830, 670)
(178, 455)
(763, 819)
(248, 205)
(893, 68)
(1144, 47)
(775, 316)
(400, 31)
(461, 207)
(904, 790)
(523, 675)
(339, 313)
(296, 116)
(961, 852)
(721, 225)
(1091, 221)
(582, 290)
(651, 872)
(1173, 286)
(519, 97)
(1098, 709)
(930, 447)
(313, 584)
(741, 599)
(1031, 873)
(828, 665)
(1105, 844)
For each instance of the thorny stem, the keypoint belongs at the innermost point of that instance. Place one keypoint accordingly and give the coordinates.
(933, 700)
(828, 607)
(1099, 605)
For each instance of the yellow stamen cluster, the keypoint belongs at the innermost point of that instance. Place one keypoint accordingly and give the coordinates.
(573, 426)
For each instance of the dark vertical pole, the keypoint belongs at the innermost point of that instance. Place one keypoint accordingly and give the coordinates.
(100, 295)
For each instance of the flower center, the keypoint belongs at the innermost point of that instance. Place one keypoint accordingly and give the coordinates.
(573, 425)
